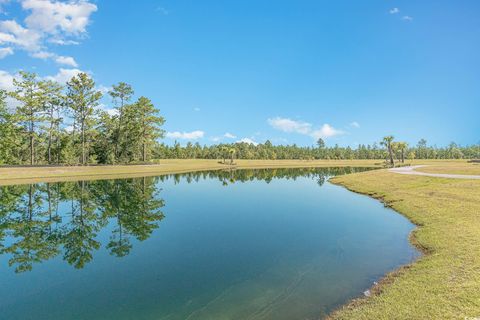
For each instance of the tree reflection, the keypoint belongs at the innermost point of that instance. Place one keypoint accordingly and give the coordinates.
(41, 221)
(38, 222)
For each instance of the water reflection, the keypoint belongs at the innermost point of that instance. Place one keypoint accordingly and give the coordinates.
(41, 221)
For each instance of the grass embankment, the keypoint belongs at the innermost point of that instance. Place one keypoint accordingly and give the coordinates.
(24, 175)
(445, 282)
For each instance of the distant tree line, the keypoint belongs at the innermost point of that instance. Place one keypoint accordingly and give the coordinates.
(48, 123)
(387, 149)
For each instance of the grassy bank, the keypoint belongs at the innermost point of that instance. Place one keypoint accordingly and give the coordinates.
(453, 168)
(445, 283)
(23, 175)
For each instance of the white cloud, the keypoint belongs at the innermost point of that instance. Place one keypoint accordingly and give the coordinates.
(68, 61)
(42, 55)
(326, 131)
(288, 125)
(110, 111)
(194, 135)
(304, 128)
(5, 52)
(247, 140)
(229, 136)
(6, 80)
(62, 42)
(6, 83)
(47, 21)
(394, 11)
(355, 124)
(407, 18)
(62, 60)
(55, 17)
(64, 75)
(13, 33)
(104, 89)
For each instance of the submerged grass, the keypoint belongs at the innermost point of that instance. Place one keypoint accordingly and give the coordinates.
(445, 282)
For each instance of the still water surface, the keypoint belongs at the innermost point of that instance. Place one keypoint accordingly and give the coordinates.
(249, 244)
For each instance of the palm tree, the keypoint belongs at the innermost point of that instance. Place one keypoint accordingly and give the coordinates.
(402, 146)
(387, 141)
(232, 152)
(224, 150)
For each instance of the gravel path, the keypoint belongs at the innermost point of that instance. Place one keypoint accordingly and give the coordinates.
(411, 170)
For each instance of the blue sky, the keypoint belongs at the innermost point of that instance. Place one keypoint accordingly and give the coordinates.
(288, 71)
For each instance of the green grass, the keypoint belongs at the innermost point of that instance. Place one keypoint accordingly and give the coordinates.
(453, 168)
(445, 282)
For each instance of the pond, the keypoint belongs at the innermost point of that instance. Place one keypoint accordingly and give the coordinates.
(247, 244)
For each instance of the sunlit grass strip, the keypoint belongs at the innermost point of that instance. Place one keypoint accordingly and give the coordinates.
(445, 282)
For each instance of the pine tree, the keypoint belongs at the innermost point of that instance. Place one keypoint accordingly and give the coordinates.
(30, 111)
(83, 99)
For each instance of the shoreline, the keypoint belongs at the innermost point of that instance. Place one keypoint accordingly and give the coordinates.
(377, 288)
(443, 282)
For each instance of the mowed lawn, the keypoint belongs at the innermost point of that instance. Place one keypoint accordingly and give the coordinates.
(445, 282)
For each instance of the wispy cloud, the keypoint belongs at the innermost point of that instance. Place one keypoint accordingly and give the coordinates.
(248, 140)
(355, 124)
(163, 10)
(289, 125)
(228, 135)
(304, 128)
(394, 11)
(326, 131)
(62, 60)
(64, 75)
(5, 52)
(407, 18)
(194, 135)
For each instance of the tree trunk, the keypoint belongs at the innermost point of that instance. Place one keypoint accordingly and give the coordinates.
(144, 152)
(32, 144)
(119, 132)
(32, 152)
(83, 142)
(403, 155)
(50, 144)
(390, 151)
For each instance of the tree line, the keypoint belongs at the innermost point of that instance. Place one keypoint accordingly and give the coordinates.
(52, 123)
(387, 149)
